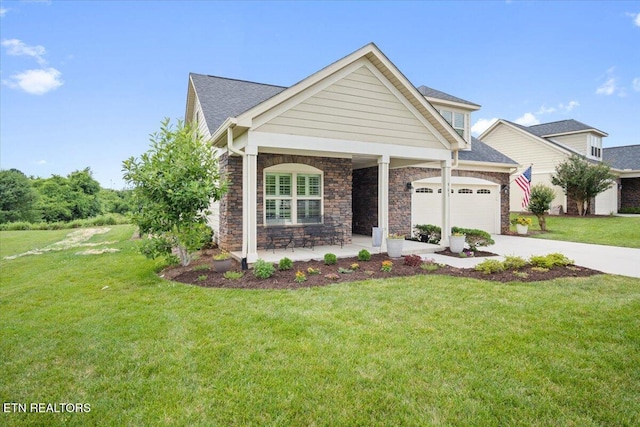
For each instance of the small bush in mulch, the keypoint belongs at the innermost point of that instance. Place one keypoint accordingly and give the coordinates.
(319, 274)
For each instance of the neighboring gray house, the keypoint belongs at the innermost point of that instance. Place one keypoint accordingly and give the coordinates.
(355, 144)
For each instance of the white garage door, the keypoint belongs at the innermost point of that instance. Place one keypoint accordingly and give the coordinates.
(475, 203)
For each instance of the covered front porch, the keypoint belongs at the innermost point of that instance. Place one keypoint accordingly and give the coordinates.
(358, 242)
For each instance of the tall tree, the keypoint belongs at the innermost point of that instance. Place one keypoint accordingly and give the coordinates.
(17, 197)
(582, 180)
(174, 183)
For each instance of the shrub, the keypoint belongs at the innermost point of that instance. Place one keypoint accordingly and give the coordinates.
(233, 275)
(386, 266)
(330, 259)
(427, 233)
(549, 261)
(364, 255)
(413, 260)
(202, 277)
(263, 269)
(300, 277)
(474, 237)
(332, 276)
(285, 264)
(312, 270)
(354, 266)
(345, 270)
(429, 266)
(512, 262)
(490, 266)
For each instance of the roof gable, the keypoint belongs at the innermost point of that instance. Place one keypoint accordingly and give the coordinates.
(439, 95)
(626, 157)
(562, 127)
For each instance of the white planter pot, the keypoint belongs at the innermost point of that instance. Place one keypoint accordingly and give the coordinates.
(456, 244)
(394, 247)
(522, 229)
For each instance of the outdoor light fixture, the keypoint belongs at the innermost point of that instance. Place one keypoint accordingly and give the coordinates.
(504, 188)
(409, 186)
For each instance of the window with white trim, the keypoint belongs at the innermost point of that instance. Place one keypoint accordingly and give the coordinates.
(424, 190)
(292, 197)
(483, 191)
(595, 146)
(465, 191)
(457, 120)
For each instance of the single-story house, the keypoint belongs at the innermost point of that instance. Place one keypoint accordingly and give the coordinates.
(354, 145)
(546, 145)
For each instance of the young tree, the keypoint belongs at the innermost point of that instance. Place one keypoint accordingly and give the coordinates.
(582, 180)
(174, 183)
(540, 202)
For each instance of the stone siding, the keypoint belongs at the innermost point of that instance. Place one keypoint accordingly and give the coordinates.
(230, 234)
(630, 193)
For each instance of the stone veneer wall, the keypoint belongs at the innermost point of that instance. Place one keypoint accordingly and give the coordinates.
(365, 200)
(630, 193)
(230, 234)
(400, 197)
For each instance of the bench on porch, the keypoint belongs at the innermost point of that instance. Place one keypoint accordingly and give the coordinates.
(279, 235)
(329, 231)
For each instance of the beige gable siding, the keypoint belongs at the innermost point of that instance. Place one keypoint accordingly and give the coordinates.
(198, 117)
(358, 107)
(523, 149)
(576, 141)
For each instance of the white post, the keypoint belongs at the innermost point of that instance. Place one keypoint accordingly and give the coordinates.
(250, 203)
(383, 198)
(445, 167)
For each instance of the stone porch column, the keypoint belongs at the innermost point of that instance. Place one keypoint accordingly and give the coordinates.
(445, 167)
(383, 198)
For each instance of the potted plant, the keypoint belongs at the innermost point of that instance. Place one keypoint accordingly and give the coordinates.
(394, 245)
(522, 224)
(222, 262)
(456, 242)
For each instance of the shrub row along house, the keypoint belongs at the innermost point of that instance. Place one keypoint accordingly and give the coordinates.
(354, 145)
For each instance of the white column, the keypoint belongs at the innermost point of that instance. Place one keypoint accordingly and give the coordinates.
(445, 167)
(250, 203)
(383, 198)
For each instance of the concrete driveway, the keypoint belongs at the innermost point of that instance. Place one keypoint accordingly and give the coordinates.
(608, 259)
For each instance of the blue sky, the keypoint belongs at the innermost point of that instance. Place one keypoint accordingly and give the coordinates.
(84, 83)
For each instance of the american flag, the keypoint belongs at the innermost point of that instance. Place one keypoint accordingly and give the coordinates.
(524, 182)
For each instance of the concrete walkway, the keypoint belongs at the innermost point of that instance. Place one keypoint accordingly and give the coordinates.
(608, 259)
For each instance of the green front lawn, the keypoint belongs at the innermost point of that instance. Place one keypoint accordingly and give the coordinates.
(602, 230)
(105, 330)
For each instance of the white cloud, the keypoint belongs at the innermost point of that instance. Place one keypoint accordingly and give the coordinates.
(3, 11)
(481, 125)
(16, 47)
(545, 110)
(610, 86)
(636, 18)
(570, 106)
(527, 119)
(636, 84)
(36, 82)
(41, 162)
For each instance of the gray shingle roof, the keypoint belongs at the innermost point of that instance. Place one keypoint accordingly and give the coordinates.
(481, 152)
(222, 98)
(433, 93)
(627, 157)
(550, 141)
(559, 127)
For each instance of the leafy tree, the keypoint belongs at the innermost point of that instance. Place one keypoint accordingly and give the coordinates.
(115, 201)
(70, 198)
(174, 183)
(582, 181)
(540, 202)
(17, 197)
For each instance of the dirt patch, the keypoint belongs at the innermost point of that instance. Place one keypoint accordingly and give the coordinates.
(201, 273)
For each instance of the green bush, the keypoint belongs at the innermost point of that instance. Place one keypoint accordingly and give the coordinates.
(474, 237)
(632, 210)
(233, 275)
(490, 266)
(364, 255)
(330, 259)
(285, 264)
(549, 261)
(427, 233)
(263, 269)
(514, 262)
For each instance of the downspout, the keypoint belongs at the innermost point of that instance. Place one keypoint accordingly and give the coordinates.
(234, 150)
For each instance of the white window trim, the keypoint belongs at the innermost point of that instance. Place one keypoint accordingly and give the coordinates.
(466, 120)
(594, 142)
(294, 169)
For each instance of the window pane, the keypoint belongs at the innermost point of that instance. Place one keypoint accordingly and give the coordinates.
(447, 116)
(270, 185)
(314, 185)
(270, 209)
(284, 209)
(284, 184)
(309, 211)
(458, 120)
(302, 185)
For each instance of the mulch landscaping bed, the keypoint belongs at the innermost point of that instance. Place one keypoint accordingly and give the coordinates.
(200, 273)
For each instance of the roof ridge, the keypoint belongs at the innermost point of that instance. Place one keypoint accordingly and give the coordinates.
(238, 80)
(559, 121)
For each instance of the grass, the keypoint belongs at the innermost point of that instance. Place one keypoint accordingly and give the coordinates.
(602, 230)
(432, 350)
